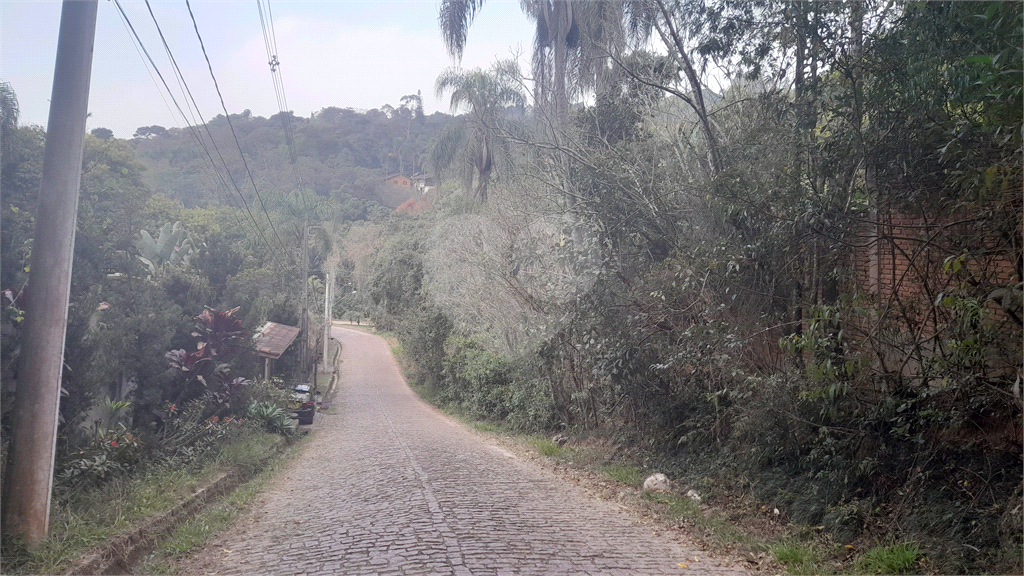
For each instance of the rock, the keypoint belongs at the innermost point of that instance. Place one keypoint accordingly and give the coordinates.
(657, 483)
(559, 439)
(692, 495)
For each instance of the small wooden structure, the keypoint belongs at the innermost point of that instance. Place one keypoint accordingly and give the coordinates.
(271, 341)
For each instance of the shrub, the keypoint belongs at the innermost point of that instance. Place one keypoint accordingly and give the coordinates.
(272, 418)
(105, 456)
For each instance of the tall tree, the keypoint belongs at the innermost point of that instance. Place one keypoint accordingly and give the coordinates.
(571, 44)
(8, 116)
(472, 143)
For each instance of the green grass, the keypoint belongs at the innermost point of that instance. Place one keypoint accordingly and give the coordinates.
(484, 426)
(250, 454)
(895, 559)
(88, 518)
(545, 447)
(799, 558)
(624, 473)
(198, 531)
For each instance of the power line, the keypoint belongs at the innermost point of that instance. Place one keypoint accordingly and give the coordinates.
(270, 42)
(194, 105)
(195, 135)
(231, 126)
(184, 86)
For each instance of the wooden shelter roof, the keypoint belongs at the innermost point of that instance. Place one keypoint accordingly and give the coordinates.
(273, 339)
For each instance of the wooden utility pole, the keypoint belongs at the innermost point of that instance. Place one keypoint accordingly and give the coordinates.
(28, 481)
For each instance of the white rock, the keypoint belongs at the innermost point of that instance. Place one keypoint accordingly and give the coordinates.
(692, 495)
(657, 483)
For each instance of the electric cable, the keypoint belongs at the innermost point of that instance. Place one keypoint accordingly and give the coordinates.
(195, 135)
(270, 43)
(231, 126)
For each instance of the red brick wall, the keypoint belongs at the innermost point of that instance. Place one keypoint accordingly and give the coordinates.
(906, 255)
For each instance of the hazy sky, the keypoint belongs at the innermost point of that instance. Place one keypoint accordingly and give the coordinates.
(345, 53)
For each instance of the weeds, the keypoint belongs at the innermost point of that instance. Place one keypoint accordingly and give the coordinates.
(798, 557)
(624, 473)
(485, 426)
(895, 559)
(83, 519)
(546, 447)
(196, 532)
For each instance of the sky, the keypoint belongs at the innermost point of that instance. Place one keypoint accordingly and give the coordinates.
(344, 53)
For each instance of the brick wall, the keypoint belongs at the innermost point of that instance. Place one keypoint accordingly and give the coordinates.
(906, 255)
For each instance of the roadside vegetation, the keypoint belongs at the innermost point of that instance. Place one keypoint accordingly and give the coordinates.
(85, 518)
(170, 282)
(802, 287)
(770, 249)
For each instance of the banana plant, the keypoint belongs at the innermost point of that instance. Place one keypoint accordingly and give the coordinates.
(173, 245)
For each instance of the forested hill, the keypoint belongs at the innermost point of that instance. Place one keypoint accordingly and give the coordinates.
(341, 154)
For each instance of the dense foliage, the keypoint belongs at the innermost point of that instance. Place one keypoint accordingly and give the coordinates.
(799, 276)
(806, 284)
(175, 268)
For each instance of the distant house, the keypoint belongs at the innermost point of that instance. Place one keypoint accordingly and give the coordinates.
(423, 182)
(398, 181)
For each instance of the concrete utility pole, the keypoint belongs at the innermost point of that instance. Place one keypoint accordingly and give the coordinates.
(327, 322)
(28, 480)
(304, 321)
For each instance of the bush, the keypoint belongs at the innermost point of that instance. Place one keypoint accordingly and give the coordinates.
(116, 452)
(273, 418)
(486, 386)
(189, 438)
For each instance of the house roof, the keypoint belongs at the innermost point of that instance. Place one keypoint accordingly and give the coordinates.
(273, 339)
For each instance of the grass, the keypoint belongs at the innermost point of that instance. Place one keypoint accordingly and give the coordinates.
(196, 532)
(545, 447)
(895, 559)
(88, 518)
(484, 426)
(799, 557)
(624, 473)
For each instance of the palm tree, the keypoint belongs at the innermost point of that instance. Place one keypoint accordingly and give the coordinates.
(571, 43)
(8, 116)
(473, 144)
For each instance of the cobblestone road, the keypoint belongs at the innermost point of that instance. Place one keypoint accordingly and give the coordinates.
(388, 485)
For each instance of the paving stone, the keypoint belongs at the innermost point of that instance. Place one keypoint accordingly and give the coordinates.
(389, 485)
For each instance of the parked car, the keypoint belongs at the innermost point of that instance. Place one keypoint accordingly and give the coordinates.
(304, 403)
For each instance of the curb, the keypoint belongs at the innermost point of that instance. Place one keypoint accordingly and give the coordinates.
(328, 396)
(119, 553)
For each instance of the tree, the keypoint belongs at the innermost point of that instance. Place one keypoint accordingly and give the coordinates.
(147, 132)
(102, 133)
(472, 143)
(571, 44)
(8, 116)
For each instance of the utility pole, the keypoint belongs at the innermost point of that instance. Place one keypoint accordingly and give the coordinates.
(28, 481)
(327, 320)
(304, 320)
